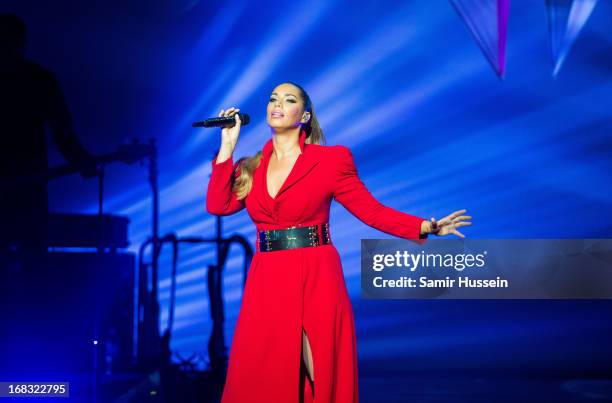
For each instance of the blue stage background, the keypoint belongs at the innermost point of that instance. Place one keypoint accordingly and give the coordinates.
(432, 129)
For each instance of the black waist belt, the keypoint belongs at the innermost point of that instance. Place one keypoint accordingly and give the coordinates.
(294, 237)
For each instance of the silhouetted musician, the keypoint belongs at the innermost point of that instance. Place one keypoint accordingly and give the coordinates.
(30, 99)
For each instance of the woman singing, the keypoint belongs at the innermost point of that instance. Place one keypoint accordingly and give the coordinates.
(295, 337)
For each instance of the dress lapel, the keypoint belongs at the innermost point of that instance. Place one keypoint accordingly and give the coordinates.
(304, 164)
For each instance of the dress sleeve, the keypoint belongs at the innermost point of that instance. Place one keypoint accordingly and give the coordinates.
(220, 199)
(350, 191)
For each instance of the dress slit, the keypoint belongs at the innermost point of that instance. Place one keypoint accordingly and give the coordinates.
(307, 392)
(311, 355)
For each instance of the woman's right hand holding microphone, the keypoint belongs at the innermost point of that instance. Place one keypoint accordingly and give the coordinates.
(229, 135)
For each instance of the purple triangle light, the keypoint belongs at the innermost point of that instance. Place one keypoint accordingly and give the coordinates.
(566, 19)
(487, 20)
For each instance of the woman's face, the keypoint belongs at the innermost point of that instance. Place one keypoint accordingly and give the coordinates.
(286, 108)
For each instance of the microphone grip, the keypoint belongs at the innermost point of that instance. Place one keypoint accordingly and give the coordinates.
(224, 121)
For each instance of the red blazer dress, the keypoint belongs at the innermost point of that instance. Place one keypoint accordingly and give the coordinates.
(304, 288)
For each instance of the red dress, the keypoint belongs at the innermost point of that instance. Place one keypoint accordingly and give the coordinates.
(288, 290)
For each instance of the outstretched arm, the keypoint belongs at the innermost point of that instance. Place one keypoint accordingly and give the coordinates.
(355, 197)
(220, 199)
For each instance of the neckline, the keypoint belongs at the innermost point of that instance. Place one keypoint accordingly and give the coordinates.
(284, 182)
(267, 151)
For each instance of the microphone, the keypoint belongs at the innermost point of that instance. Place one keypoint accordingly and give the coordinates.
(225, 121)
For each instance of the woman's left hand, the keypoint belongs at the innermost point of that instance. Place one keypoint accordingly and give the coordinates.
(448, 224)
